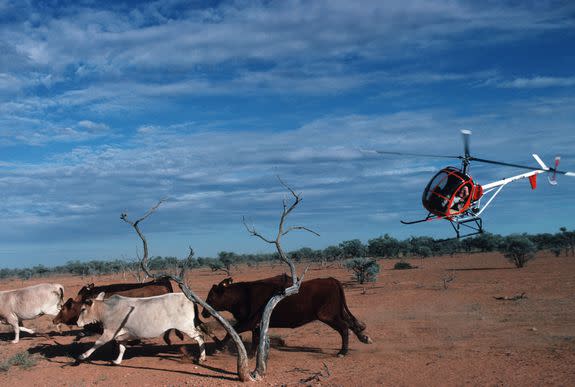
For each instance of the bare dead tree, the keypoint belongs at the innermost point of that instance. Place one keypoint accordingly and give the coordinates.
(242, 359)
(264, 343)
(135, 268)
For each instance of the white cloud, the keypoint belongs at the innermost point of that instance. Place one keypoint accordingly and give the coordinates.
(538, 82)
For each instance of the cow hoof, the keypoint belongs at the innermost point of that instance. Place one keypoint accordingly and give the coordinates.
(341, 354)
(366, 339)
(15, 341)
(116, 363)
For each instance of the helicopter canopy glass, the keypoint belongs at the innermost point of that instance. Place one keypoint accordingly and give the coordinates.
(438, 196)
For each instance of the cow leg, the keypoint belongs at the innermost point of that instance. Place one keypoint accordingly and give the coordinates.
(13, 321)
(194, 334)
(106, 337)
(340, 326)
(221, 344)
(255, 340)
(118, 360)
(239, 328)
(24, 329)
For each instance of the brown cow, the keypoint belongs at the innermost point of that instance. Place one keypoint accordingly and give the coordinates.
(320, 299)
(71, 309)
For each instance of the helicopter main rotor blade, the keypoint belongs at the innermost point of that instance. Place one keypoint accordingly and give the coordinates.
(466, 133)
(416, 154)
(520, 166)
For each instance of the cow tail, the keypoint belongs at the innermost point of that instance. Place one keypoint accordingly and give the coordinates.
(354, 324)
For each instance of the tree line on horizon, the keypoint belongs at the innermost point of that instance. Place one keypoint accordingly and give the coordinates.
(385, 246)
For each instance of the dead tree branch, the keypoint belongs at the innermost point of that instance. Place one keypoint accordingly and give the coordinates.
(447, 278)
(316, 377)
(513, 298)
(242, 360)
(264, 343)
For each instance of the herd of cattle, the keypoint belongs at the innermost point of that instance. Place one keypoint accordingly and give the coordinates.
(124, 312)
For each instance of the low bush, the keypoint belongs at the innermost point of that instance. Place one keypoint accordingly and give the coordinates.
(364, 269)
(22, 359)
(402, 265)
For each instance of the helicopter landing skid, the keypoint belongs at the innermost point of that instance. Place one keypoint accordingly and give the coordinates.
(474, 224)
(427, 219)
(470, 221)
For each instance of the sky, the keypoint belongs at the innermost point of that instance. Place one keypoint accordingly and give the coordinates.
(108, 107)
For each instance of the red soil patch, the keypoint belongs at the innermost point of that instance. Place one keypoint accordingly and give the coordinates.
(423, 333)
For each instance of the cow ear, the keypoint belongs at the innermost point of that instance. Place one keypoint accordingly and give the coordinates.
(225, 282)
(100, 296)
(89, 286)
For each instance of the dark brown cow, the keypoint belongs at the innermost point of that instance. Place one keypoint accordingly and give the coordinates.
(71, 309)
(320, 299)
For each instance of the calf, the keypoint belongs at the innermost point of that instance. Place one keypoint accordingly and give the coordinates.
(125, 318)
(29, 303)
(320, 299)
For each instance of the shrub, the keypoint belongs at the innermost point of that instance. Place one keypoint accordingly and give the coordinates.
(22, 359)
(402, 265)
(353, 248)
(518, 249)
(364, 269)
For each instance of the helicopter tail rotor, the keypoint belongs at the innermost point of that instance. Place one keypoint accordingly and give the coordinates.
(552, 178)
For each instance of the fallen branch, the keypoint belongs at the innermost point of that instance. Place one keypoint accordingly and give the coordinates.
(514, 298)
(317, 376)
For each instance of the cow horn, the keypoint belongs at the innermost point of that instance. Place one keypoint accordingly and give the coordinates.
(100, 296)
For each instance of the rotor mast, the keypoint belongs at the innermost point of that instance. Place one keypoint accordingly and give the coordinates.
(465, 160)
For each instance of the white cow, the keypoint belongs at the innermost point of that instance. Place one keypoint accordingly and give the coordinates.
(126, 318)
(29, 303)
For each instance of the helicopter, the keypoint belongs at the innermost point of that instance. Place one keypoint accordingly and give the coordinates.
(453, 195)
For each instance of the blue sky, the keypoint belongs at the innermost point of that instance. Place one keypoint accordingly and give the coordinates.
(108, 107)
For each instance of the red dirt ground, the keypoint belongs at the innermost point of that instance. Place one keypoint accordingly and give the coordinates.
(424, 334)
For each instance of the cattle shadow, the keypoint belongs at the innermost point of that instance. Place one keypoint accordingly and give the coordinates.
(276, 342)
(9, 336)
(109, 351)
(214, 369)
(297, 348)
